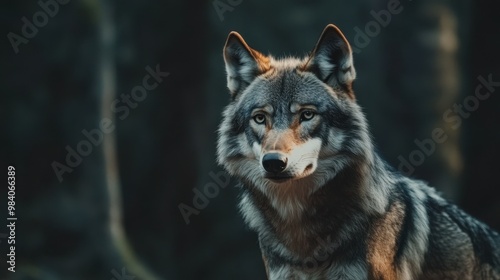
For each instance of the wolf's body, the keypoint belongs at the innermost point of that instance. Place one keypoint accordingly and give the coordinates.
(324, 205)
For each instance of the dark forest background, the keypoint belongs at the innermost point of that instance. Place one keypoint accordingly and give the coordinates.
(116, 214)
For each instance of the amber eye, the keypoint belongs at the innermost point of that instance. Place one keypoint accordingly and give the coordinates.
(259, 118)
(307, 115)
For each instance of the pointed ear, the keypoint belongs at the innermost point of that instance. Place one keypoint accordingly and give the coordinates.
(331, 60)
(243, 64)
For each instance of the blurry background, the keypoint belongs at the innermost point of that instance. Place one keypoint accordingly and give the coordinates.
(114, 214)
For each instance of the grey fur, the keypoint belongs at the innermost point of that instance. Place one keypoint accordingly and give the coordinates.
(380, 224)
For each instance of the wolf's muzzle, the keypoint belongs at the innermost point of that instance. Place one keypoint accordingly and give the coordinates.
(274, 162)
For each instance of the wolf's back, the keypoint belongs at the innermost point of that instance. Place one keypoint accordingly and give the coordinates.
(459, 246)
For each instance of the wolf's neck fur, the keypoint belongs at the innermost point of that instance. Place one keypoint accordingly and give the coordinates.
(331, 212)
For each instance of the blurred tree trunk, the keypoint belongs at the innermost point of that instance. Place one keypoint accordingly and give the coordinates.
(424, 74)
(107, 92)
(54, 94)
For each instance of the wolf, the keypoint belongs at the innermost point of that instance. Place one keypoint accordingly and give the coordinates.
(323, 203)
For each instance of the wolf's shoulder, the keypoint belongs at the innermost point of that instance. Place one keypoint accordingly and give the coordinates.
(449, 228)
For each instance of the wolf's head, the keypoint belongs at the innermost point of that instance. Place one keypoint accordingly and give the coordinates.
(292, 123)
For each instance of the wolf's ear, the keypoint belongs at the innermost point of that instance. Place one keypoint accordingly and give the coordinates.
(331, 59)
(243, 63)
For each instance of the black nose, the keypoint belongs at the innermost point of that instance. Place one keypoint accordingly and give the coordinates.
(274, 162)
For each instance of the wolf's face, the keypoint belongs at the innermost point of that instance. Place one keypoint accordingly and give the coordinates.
(291, 121)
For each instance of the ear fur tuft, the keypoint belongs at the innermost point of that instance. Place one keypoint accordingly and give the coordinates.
(331, 60)
(243, 64)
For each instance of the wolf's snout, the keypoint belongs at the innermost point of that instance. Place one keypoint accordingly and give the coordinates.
(274, 162)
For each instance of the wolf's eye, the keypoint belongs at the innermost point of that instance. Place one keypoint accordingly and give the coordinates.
(259, 118)
(307, 115)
